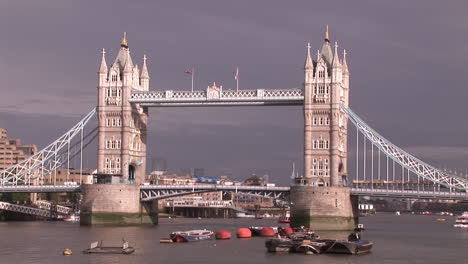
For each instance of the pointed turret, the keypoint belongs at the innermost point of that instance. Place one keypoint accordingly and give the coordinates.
(103, 67)
(345, 64)
(336, 60)
(128, 63)
(308, 62)
(144, 76)
(144, 69)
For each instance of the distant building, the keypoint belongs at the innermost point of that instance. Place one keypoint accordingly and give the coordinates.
(255, 180)
(12, 151)
(63, 176)
(206, 179)
(251, 201)
(194, 171)
(167, 178)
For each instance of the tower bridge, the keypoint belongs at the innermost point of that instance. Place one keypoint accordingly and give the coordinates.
(322, 196)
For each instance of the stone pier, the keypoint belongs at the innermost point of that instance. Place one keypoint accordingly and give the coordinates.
(115, 204)
(323, 208)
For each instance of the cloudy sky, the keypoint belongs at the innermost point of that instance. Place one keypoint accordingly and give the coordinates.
(408, 63)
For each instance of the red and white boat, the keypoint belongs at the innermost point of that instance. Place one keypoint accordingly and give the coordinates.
(462, 220)
(191, 235)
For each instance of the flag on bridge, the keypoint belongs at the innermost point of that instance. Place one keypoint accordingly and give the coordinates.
(190, 71)
(237, 79)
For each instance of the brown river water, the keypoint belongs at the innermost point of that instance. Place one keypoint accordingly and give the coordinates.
(397, 239)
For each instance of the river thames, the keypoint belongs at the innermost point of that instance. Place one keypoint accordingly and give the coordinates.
(397, 239)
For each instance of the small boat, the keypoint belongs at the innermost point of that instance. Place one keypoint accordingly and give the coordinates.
(350, 247)
(244, 215)
(297, 246)
(397, 213)
(191, 235)
(462, 220)
(284, 219)
(312, 247)
(71, 218)
(100, 249)
(354, 245)
(279, 245)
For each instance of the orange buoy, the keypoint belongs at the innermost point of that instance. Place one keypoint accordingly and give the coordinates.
(267, 232)
(243, 232)
(288, 230)
(223, 234)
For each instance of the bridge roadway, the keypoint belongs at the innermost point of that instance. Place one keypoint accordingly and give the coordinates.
(151, 192)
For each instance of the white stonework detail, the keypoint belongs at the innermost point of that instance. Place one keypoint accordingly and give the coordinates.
(122, 125)
(326, 87)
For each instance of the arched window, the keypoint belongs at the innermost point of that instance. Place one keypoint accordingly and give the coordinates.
(119, 122)
(321, 144)
(315, 144)
(107, 122)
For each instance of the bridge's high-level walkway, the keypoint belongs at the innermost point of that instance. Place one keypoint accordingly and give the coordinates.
(218, 97)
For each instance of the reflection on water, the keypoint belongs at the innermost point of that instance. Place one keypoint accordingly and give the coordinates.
(398, 239)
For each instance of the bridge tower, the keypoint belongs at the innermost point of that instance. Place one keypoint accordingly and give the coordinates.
(121, 151)
(320, 198)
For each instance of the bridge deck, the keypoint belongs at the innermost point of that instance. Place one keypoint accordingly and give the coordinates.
(218, 98)
(163, 191)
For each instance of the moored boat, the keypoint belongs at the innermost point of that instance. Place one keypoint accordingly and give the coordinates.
(349, 247)
(191, 235)
(279, 245)
(462, 220)
(97, 248)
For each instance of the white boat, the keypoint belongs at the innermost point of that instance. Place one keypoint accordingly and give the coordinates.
(191, 235)
(71, 218)
(397, 213)
(244, 215)
(462, 220)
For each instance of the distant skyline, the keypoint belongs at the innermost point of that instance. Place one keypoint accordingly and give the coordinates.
(407, 62)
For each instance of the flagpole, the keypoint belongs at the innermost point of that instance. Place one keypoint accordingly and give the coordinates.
(237, 79)
(193, 73)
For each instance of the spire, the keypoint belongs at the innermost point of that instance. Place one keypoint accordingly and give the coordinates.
(336, 59)
(124, 41)
(345, 65)
(327, 35)
(144, 69)
(308, 62)
(103, 68)
(128, 63)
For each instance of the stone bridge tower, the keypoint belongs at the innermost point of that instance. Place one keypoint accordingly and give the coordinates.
(320, 198)
(115, 199)
(122, 125)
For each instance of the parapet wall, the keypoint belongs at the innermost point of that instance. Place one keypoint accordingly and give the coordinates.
(323, 208)
(115, 204)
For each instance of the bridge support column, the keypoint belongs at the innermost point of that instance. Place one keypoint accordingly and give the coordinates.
(323, 208)
(115, 204)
